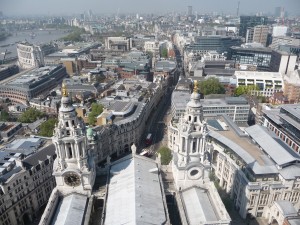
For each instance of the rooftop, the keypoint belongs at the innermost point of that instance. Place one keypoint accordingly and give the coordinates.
(293, 109)
(258, 75)
(278, 151)
(181, 98)
(165, 65)
(25, 146)
(135, 193)
(32, 76)
(71, 210)
(286, 208)
(198, 206)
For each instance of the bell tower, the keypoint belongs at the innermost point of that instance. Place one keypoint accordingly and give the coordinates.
(191, 155)
(74, 167)
(192, 131)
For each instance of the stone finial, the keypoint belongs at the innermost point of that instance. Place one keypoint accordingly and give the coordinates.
(133, 149)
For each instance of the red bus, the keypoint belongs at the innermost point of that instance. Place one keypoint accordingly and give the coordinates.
(148, 139)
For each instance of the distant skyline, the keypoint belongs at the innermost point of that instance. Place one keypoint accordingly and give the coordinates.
(69, 7)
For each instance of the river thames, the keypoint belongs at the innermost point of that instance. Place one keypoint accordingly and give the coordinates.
(31, 36)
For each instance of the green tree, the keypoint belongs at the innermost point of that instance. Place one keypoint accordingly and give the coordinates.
(164, 53)
(96, 110)
(75, 35)
(211, 86)
(4, 116)
(245, 90)
(150, 54)
(30, 115)
(166, 155)
(47, 127)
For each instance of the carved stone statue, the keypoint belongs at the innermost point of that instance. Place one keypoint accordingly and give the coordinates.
(108, 160)
(133, 149)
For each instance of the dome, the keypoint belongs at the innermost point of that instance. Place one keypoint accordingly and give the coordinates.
(195, 96)
(90, 133)
(65, 100)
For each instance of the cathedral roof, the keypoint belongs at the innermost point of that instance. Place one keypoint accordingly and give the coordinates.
(135, 195)
(71, 210)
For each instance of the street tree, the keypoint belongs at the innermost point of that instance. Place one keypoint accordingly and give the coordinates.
(96, 110)
(211, 86)
(164, 53)
(245, 90)
(47, 127)
(30, 115)
(166, 155)
(4, 116)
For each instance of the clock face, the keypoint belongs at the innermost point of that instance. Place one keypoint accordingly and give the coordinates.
(72, 179)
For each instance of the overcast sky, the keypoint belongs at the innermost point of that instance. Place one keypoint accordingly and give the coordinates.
(69, 7)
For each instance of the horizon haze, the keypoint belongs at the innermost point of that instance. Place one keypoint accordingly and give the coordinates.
(69, 7)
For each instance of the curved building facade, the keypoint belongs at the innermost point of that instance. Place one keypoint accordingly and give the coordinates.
(29, 55)
(35, 82)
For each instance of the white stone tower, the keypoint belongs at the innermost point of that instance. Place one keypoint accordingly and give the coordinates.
(191, 158)
(74, 167)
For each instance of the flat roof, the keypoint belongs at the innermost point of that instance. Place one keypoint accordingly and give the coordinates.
(198, 206)
(290, 172)
(272, 145)
(71, 210)
(290, 120)
(293, 109)
(135, 193)
(32, 76)
(273, 114)
(245, 149)
(252, 49)
(258, 75)
(181, 98)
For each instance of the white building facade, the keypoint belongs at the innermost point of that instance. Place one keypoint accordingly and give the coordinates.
(256, 168)
(25, 185)
(29, 56)
(267, 82)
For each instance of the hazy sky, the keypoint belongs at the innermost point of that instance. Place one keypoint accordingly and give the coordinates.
(68, 7)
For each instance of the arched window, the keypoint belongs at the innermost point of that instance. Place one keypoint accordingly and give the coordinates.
(69, 148)
(194, 146)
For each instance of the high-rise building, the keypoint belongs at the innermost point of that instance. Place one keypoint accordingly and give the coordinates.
(279, 31)
(250, 21)
(279, 12)
(282, 62)
(190, 10)
(258, 34)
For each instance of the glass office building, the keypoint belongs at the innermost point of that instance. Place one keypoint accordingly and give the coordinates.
(220, 44)
(250, 21)
(260, 57)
